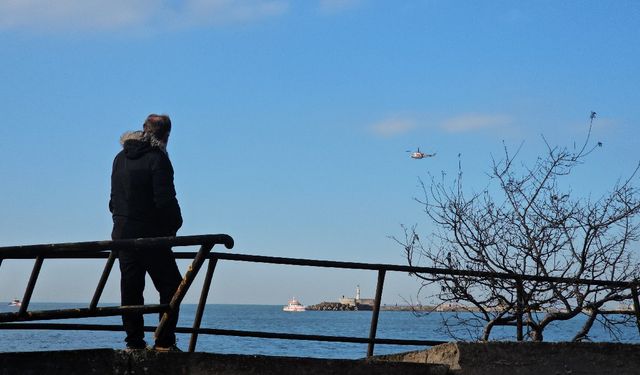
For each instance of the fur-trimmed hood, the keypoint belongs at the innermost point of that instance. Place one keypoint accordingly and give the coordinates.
(136, 143)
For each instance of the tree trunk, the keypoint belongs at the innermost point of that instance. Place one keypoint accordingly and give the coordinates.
(536, 334)
(586, 327)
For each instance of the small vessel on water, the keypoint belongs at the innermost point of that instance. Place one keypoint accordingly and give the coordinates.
(294, 305)
(15, 302)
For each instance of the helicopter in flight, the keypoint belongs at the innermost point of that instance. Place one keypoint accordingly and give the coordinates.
(420, 155)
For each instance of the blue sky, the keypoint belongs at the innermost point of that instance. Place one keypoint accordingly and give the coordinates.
(291, 121)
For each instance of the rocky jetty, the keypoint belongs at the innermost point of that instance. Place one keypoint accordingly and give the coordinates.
(337, 306)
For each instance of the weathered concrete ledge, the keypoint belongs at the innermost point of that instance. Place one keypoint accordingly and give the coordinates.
(109, 361)
(524, 358)
(460, 358)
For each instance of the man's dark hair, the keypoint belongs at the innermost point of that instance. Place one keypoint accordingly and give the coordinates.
(158, 125)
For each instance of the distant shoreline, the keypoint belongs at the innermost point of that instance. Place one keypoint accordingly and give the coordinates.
(5, 307)
(387, 307)
(408, 308)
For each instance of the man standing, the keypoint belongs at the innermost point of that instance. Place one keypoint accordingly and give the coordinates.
(143, 204)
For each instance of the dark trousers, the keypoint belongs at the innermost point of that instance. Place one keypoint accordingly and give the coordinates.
(161, 265)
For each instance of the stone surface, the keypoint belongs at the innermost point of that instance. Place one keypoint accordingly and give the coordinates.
(108, 361)
(499, 358)
(524, 358)
(57, 362)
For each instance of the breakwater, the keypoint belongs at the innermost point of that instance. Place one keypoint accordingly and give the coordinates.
(337, 306)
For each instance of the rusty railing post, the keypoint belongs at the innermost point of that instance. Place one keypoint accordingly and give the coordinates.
(31, 285)
(376, 312)
(519, 308)
(202, 303)
(636, 303)
(188, 278)
(103, 280)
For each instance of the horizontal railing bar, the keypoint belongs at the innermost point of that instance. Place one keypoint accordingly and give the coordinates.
(340, 264)
(80, 254)
(617, 312)
(80, 313)
(293, 336)
(221, 332)
(19, 252)
(409, 269)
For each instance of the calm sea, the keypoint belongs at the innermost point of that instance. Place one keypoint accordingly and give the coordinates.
(392, 324)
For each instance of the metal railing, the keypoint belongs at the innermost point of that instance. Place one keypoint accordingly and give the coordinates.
(108, 250)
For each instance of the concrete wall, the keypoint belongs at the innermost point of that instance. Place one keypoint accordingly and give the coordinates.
(108, 361)
(495, 358)
(524, 358)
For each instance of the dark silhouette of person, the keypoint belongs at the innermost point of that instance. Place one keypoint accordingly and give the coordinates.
(143, 204)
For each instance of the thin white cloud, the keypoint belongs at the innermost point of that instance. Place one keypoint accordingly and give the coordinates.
(601, 126)
(220, 12)
(335, 6)
(108, 15)
(475, 122)
(393, 126)
(78, 14)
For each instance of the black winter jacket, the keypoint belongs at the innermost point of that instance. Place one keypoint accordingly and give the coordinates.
(143, 198)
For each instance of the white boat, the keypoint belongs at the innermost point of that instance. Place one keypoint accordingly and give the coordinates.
(15, 302)
(294, 305)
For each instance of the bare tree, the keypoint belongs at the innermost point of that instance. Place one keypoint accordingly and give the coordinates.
(526, 222)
